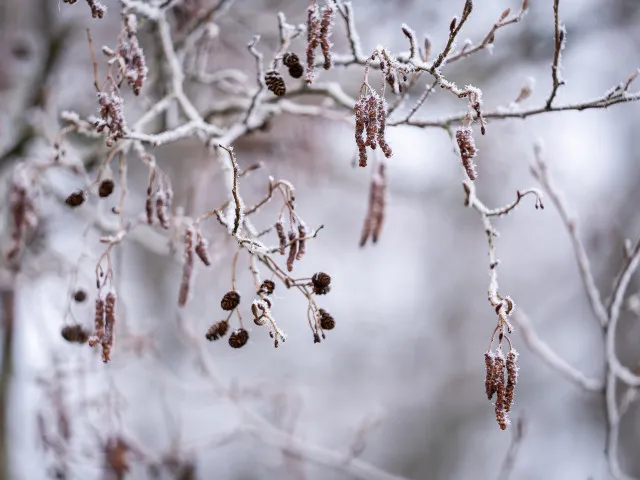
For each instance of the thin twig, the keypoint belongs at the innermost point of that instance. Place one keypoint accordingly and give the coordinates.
(558, 46)
(540, 172)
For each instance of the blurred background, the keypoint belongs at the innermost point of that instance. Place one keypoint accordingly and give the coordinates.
(399, 383)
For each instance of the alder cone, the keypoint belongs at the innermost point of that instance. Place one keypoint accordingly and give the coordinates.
(239, 338)
(106, 188)
(230, 300)
(275, 83)
(296, 71)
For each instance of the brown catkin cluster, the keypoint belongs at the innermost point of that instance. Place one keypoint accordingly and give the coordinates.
(374, 220)
(295, 239)
(371, 121)
(187, 267)
(319, 29)
(468, 150)
(496, 367)
(275, 83)
(326, 25)
(217, 330)
(292, 62)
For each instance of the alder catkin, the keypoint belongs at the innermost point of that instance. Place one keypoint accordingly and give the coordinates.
(302, 243)
(501, 412)
(313, 39)
(326, 25)
(293, 250)
(489, 385)
(187, 268)
(361, 124)
(202, 249)
(512, 378)
(468, 150)
(281, 237)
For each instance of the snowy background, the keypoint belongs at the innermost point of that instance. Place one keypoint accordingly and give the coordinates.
(405, 362)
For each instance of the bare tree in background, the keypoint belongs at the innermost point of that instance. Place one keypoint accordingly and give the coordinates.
(153, 85)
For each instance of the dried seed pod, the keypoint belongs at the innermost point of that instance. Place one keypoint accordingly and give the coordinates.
(79, 295)
(106, 187)
(76, 199)
(468, 150)
(267, 287)
(230, 301)
(321, 283)
(512, 378)
(239, 338)
(275, 83)
(217, 330)
(74, 333)
(326, 320)
(489, 384)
